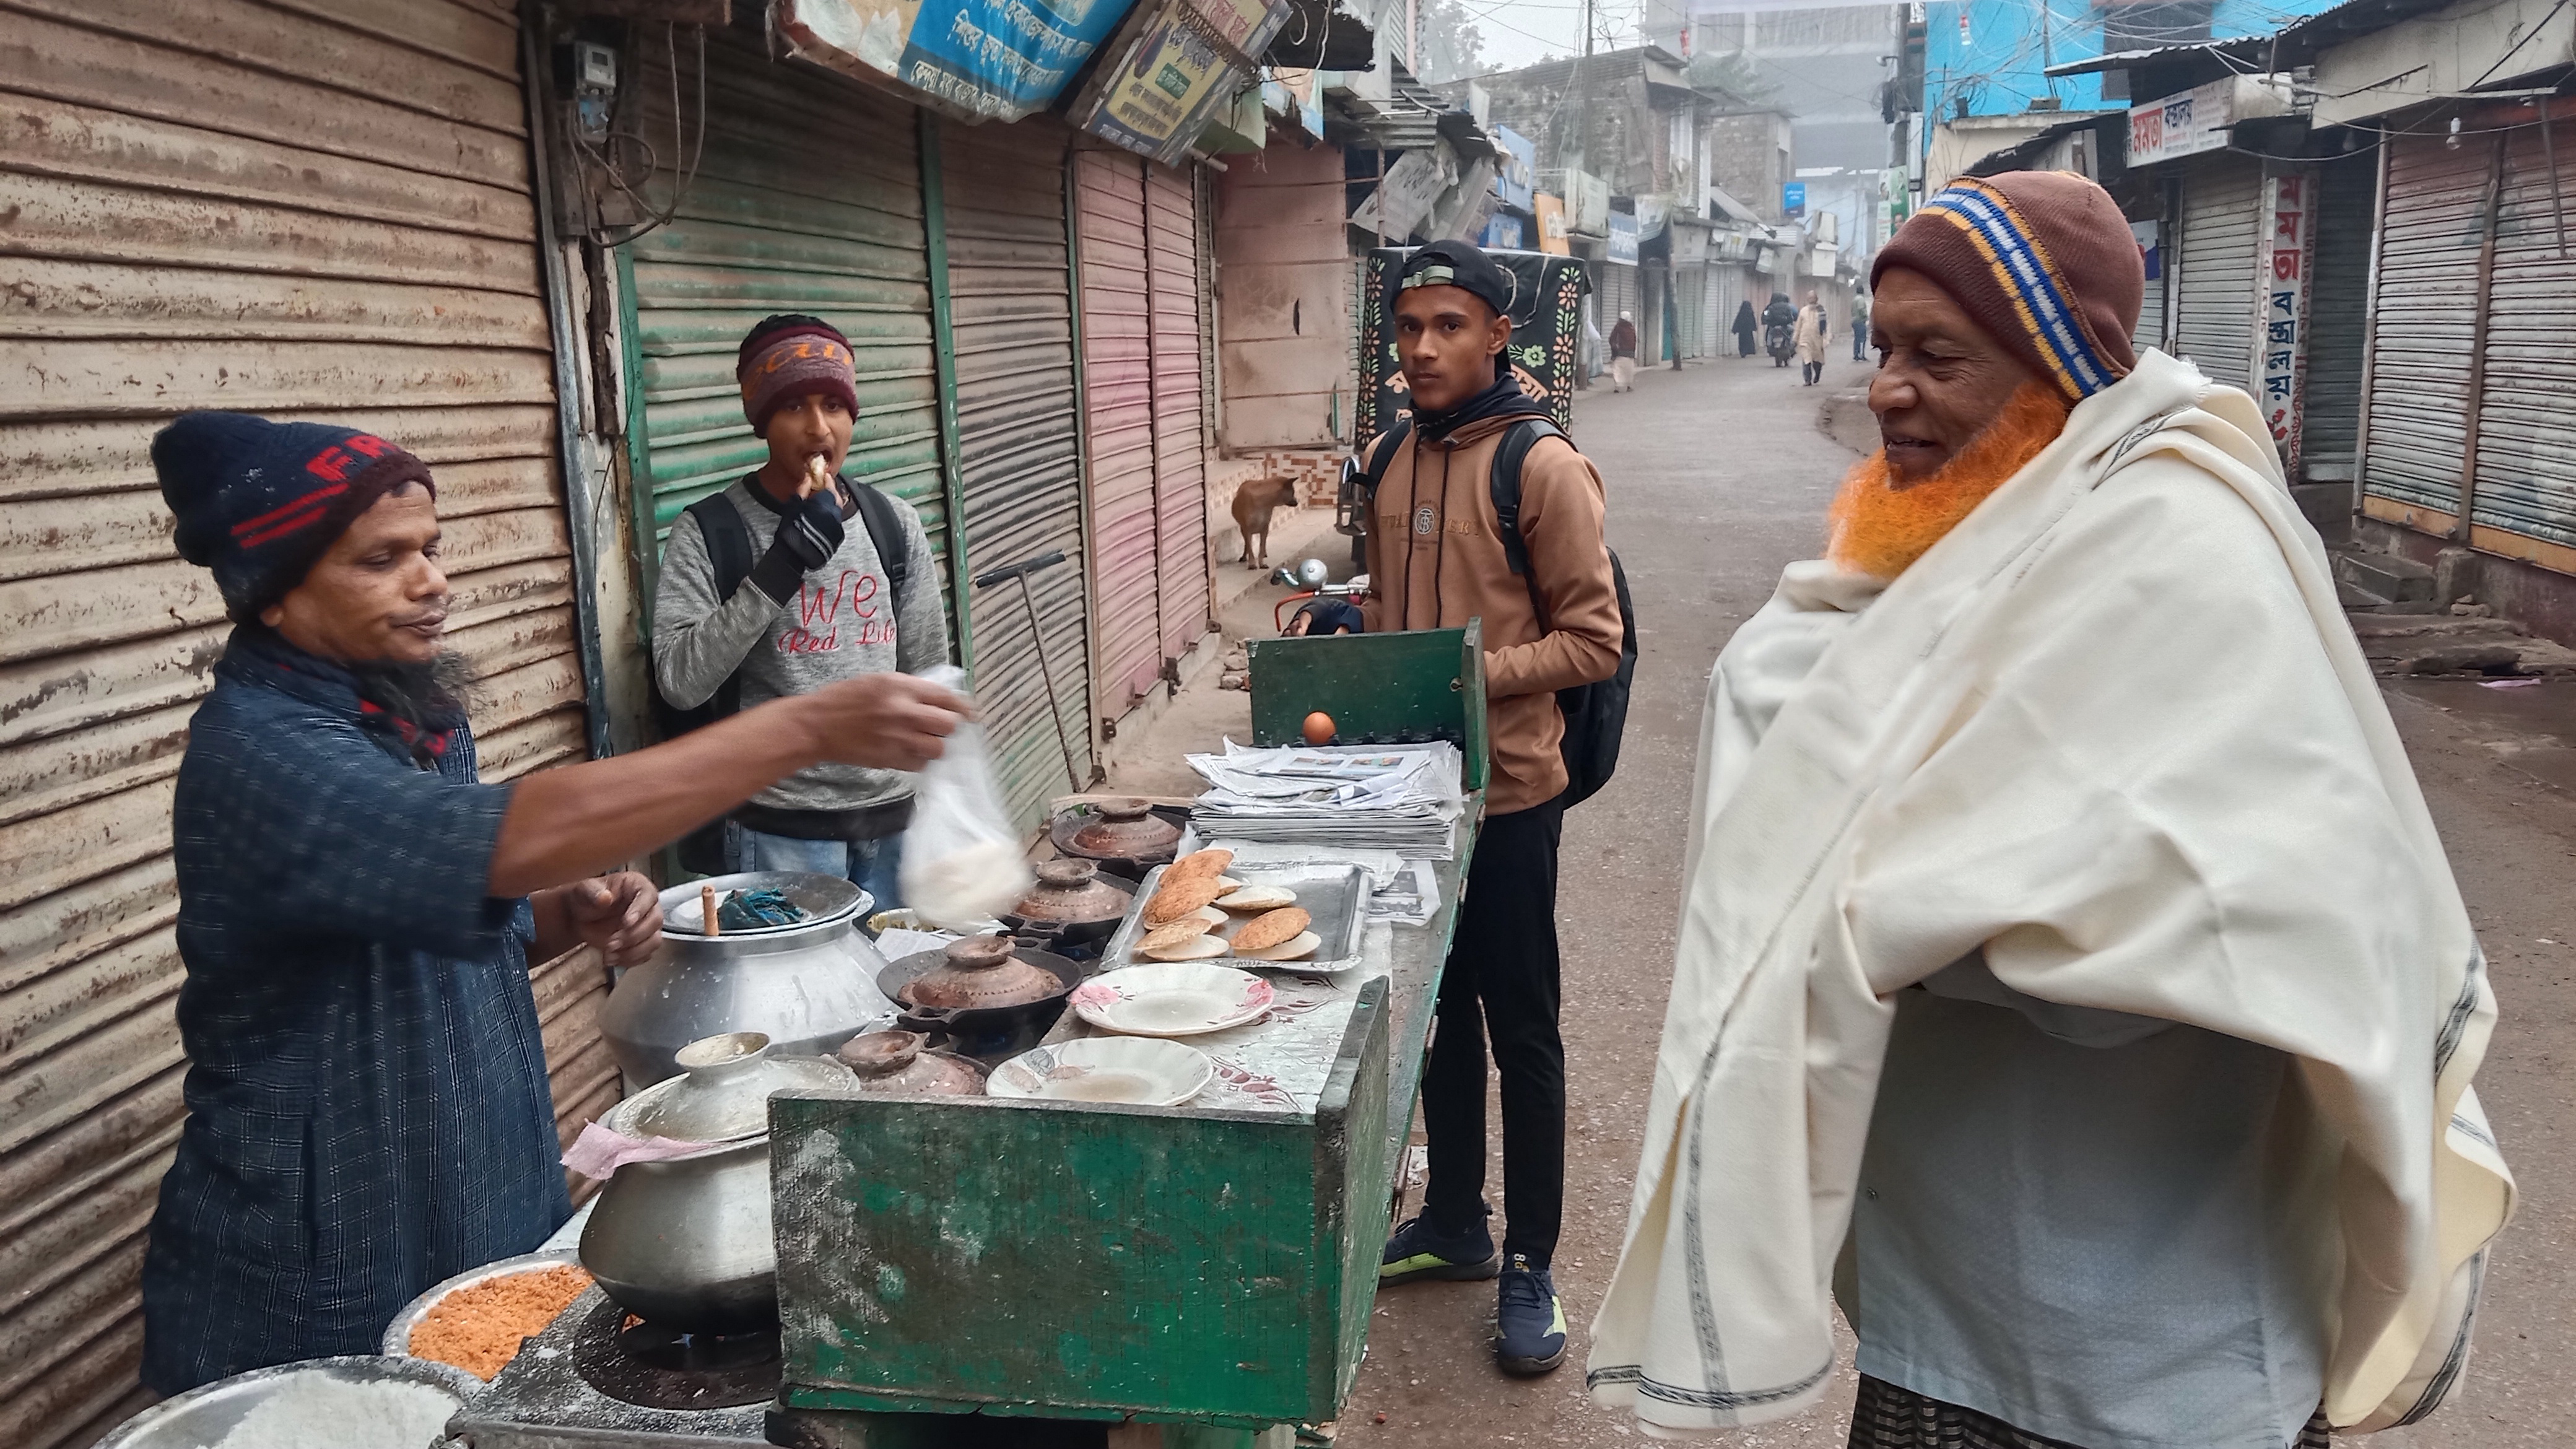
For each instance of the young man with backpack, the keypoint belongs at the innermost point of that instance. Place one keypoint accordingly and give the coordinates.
(768, 590)
(1536, 571)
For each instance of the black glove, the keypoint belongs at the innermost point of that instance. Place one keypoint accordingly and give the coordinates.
(807, 538)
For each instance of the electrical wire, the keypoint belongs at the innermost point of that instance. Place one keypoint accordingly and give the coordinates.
(683, 181)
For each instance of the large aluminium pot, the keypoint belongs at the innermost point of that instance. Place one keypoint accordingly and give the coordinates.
(685, 1242)
(808, 987)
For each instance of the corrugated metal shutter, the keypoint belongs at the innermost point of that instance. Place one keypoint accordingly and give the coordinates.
(2338, 291)
(1619, 294)
(239, 207)
(2222, 198)
(808, 199)
(2527, 408)
(1692, 309)
(1118, 394)
(2151, 316)
(1011, 313)
(2424, 322)
(1180, 442)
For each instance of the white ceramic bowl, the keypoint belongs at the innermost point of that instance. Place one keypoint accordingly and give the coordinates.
(1183, 998)
(1141, 1071)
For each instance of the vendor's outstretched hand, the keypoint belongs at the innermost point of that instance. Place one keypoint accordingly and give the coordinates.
(883, 721)
(621, 914)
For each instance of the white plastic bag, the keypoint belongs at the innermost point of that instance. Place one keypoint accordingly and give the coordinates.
(962, 862)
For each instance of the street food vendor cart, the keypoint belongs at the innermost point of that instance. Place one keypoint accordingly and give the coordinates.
(1209, 1265)
(957, 1269)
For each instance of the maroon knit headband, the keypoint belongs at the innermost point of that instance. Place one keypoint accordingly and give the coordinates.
(809, 357)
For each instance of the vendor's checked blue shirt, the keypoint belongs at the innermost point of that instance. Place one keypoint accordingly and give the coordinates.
(367, 1102)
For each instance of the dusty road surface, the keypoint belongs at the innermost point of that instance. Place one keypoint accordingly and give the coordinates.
(1718, 476)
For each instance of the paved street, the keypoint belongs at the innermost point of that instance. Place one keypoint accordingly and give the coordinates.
(1717, 476)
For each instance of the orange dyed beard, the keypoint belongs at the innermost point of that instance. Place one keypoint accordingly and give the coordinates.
(1880, 524)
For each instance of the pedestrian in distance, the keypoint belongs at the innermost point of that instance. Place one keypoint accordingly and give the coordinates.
(1860, 326)
(1746, 324)
(2070, 983)
(831, 580)
(368, 1111)
(1437, 558)
(1814, 330)
(1623, 354)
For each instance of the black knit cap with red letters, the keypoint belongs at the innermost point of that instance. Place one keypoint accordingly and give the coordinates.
(260, 502)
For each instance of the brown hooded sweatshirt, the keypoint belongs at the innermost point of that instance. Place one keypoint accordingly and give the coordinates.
(1436, 560)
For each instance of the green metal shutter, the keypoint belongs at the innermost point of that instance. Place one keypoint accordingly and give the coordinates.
(808, 199)
(1010, 300)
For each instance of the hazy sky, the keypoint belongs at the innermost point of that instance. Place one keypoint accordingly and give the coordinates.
(1519, 32)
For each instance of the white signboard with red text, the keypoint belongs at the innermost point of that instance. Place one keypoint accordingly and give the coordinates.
(2285, 255)
(2183, 125)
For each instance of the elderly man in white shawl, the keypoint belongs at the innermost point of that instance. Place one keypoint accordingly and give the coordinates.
(2070, 983)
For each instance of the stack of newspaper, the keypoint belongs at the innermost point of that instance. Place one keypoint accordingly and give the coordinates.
(1400, 798)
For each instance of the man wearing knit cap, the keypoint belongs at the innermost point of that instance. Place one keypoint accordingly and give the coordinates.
(830, 580)
(2069, 983)
(368, 1110)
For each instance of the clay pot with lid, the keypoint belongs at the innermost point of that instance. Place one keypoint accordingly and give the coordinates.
(901, 1063)
(1124, 833)
(1073, 903)
(686, 1241)
(980, 985)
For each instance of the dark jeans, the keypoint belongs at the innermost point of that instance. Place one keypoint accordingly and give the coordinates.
(1501, 982)
(1812, 371)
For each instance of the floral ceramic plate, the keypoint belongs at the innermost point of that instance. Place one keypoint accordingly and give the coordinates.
(1182, 999)
(1137, 1070)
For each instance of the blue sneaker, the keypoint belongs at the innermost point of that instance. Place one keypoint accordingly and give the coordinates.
(1529, 1322)
(1417, 1250)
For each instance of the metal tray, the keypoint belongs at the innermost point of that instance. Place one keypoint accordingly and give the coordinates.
(397, 1342)
(1336, 896)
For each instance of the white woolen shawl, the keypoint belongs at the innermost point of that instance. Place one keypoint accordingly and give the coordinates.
(2114, 730)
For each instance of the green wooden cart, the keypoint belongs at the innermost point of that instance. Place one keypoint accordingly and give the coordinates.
(1201, 1278)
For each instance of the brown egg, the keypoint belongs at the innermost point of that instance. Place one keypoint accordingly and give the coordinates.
(1319, 728)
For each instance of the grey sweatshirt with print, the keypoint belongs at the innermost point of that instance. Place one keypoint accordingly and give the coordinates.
(839, 626)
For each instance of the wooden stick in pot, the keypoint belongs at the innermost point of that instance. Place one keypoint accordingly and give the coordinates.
(707, 909)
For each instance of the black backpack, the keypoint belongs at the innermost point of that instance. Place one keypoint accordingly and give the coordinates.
(728, 543)
(1596, 714)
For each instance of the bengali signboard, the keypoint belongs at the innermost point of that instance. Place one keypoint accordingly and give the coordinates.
(2183, 125)
(1003, 59)
(2280, 332)
(1169, 69)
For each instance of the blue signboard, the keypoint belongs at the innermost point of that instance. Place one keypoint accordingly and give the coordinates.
(1623, 238)
(1502, 232)
(1517, 174)
(1793, 197)
(1004, 58)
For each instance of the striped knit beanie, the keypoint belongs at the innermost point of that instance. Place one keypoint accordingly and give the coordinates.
(2043, 260)
(259, 502)
(789, 356)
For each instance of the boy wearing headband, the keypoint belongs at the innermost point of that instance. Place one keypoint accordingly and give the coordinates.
(819, 604)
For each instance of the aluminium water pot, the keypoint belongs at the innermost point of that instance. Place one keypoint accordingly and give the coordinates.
(808, 987)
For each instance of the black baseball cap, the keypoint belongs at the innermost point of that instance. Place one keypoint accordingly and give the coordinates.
(1459, 264)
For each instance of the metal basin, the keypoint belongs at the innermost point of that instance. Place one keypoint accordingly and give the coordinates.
(206, 1414)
